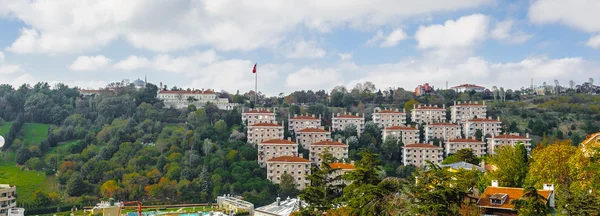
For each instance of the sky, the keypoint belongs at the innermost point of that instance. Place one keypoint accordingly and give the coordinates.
(299, 44)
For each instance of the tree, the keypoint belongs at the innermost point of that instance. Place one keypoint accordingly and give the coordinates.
(511, 165)
(467, 155)
(577, 202)
(478, 134)
(75, 185)
(287, 186)
(108, 188)
(363, 195)
(549, 165)
(390, 147)
(23, 155)
(433, 193)
(531, 203)
(322, 193)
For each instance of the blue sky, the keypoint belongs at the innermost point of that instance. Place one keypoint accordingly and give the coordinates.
(303, 44)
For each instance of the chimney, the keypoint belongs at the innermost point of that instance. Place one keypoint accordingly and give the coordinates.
(415, 106)
(295, 115)
(339, 140)
(403, 110)
(435, 105)
(527, 135)
(494, 183)
(313, 115)
(356, 114)
(476, 102)
(550, 187)
(444, 106)
(484, 103)
(289, 138)
(322, 127)
(498, 118)
(454, 103)
(278, 201)
(289, 116)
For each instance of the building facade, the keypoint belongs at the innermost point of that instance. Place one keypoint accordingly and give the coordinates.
(337, 149)
(417, 154)
(234, 204)
(487, 126)
(388, 118)
(198, 98)
(307, 136)
(468, 88)
(512, 139)
(428, 114)
(297, 167)
(442, 131)
(462, 111)
(274, 148)
(341, 170)
(260, 132)
(409, 135)
(8, 198)
(496, 200)
(301, 122)
(423, 89)
(341, 121)
(478, 147)
(255, 116)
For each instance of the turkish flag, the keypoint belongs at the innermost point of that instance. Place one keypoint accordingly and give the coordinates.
(254, 69)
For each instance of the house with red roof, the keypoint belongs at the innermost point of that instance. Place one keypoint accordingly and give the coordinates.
(274, 148)
(254, 116)
(417, 154)
(468, 88)
(260, 132)
(297, 167)
(426, 114)
(341, 121)
(496, 200)
(409, 135)
(511, 139)
(303, 121)
(388, 117)
(337, 149)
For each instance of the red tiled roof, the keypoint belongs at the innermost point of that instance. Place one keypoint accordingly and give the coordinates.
(465, 140)
(468, 86)
(400, 128)
(279, 141)
(266, 125)
(305, 118)
(513, 194)
(312, 130)
(341, 166)
(483, 120)
(347, 116)
(442, 124)
(389, 111)
(429, 107)
(509, 136)
(260, 111)
(291, 159)
(187, 92)
(328, 143)
(421, 145)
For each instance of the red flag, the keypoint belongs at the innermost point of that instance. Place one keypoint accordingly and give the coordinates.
(254, 69)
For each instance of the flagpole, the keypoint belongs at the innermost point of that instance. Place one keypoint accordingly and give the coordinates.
(255, 88)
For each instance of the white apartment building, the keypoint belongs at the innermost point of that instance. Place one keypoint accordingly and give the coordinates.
(468, 88)
(307, 136)
(452, 146)
(255, 116)
(199, 98)
(342, 169)
(409, 135)
(341, 121)
(428, 114)
(304, 121)
(416, 154)
(508, 139)
(274, 148)
(487, 126)
(465, 110)
(337, 149)
(388, 118)
(8, 198)
(442, 131)
(297, 167)
(260, 132)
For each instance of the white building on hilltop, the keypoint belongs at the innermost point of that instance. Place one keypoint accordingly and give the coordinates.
(199, 98)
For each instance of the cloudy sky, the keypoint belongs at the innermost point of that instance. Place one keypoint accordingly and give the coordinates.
(299, 44)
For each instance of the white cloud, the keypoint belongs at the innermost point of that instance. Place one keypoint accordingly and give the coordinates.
(312, 78)
(133, 63)
(465, 32)
(304, 49)
(376, 38)
(390, 40)
(83, 84)
(503, 32)
(25, 78)
(594, 42)
(89, 63)
(345, 56)
(7, 68)
(72, 26)
(579, 14)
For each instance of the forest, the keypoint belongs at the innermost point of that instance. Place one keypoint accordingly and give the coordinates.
(124, 143)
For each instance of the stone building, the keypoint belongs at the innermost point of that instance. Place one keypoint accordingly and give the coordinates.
(487, 126)
(388, 118)
(508, 139)
(260, 132)
(427, 114)
(301, 122)
(341, 121)
(274, 148)
(337, 149)
(198, 98)
(462, 111)
(442, 131)
(307, 136)
(416, 154)
(254, 116)
(478, 147)
(409, 135)
(297, 167)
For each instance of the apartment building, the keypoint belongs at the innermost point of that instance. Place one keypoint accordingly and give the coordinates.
(427, 114)
(307, 136)
(341, 121)
(442, 131)
(468, 88)
(337, 149)
(197, 97)
(388, 118)
(508, 139)
(416, 154)
(465, 110)
(8, 198)
(297, 167)
(304, 121)
(274, 148)
(452, 146)
(409, 135)
(342, 169)
(488, 126)
(255, 116)
(260, 132)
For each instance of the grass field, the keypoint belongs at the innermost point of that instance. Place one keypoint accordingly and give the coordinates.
(27, 181)
(4, 128)
(32, 132)
(62, 147)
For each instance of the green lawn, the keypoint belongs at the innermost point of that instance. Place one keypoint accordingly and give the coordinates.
(62, 147)
(27, 181)
(4, 127)
(34, 133)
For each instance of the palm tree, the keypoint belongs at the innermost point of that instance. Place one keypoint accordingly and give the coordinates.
(531, 203)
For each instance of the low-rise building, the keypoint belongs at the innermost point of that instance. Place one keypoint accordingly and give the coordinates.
(297, 167)
(427, 114)
(341, 121)
(462, 111)
(260, 132)
(512, 139)
(388, 118)
(488, 126)
(280, 207)
(409, 135)
(8, 198)
(274, 148)
(423, 89)
(468, 88)
(442, 131)
(417, 154)
(255, 116)
(301, 122)
(478, 147)
(337, 149)
(592, 141)
(341, 170)
(198, 98)
(307, 136)
(455, 167)
(234, 204)
(497, 200)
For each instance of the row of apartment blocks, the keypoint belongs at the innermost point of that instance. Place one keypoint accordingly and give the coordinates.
(460, 112)
(445, 131)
